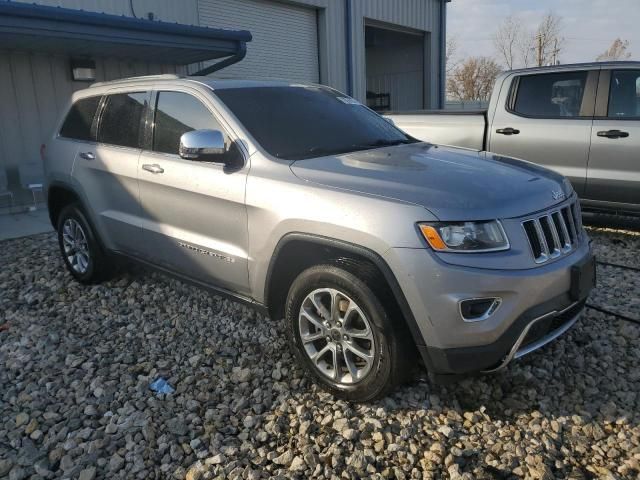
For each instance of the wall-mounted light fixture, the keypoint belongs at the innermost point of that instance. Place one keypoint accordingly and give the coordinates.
(83, 70)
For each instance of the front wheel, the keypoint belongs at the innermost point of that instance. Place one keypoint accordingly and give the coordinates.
(81, 252)
(343, 335)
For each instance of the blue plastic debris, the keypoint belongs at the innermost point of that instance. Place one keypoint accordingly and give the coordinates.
(161, 386)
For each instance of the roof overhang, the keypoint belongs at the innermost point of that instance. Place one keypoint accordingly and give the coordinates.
(79, 33)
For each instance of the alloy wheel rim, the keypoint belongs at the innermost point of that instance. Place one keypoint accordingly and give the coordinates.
(76, 248)
(336, 336)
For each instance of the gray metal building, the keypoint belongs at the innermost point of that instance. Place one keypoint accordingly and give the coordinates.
(386, 53)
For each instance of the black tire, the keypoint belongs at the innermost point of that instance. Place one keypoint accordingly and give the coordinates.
(392, 359)
(97, 266)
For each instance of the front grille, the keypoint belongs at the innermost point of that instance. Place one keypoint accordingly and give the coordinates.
(554, 233)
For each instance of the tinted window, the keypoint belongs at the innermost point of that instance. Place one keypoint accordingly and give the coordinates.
(624, 95)
(305, 122)
(177, 113)
(120, 123)
(551, 94)
(79, 119)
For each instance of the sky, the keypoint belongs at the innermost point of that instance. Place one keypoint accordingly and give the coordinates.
(588, 26)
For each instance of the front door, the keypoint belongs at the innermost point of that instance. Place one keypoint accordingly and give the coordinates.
(614, 162)
(108, 170)
(194, 215)
(546, 119)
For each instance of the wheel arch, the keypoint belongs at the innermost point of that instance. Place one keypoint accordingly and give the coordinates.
(288, 261)
(59, 195)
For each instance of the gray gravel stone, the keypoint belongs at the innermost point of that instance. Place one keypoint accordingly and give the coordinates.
(77, 364)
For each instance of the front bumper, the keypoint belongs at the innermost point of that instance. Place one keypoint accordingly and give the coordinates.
(536, 308)
(527, 334)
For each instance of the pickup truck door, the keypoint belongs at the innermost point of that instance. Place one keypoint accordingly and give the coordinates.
(194, 215)
(546, 118)
(613, 174)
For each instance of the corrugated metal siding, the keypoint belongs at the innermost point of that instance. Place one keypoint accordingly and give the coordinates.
(34, 89)
(285, 38)
(423, 15)
(416, 14)
(182, 11)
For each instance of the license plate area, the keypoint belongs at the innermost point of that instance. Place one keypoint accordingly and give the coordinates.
(583, 278)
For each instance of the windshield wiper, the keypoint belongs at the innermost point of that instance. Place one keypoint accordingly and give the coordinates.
(320, 151)
(384, 143)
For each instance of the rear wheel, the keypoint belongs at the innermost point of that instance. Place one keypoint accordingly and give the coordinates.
(79, 247)
(344, 336)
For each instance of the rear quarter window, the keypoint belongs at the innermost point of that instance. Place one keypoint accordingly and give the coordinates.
(121, 119)
(77, 124)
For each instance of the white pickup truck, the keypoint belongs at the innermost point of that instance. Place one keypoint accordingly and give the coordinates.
(582, 120)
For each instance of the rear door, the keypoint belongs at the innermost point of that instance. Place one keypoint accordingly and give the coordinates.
(546, 118)
(108, 169)
(614, 162)
(194, 215)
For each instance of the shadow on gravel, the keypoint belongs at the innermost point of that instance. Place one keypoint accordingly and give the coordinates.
(619, 222)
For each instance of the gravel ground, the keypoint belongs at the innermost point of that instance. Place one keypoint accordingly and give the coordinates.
(76, 363)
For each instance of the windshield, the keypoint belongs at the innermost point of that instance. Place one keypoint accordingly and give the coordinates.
(297, 122)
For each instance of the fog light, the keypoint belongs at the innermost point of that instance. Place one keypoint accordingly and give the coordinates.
(477, 309)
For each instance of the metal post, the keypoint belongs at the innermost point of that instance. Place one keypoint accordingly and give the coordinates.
(348, 46)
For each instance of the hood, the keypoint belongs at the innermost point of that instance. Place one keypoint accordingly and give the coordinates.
(454, 184)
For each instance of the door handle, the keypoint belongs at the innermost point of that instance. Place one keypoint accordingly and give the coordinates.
(613, 134)
(508, 131)
(153, 168)
(87, 155)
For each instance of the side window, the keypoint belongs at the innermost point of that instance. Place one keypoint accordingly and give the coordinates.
(550, 95)
(78, 123)
(177, 113)
(624, 94)
(120, 122)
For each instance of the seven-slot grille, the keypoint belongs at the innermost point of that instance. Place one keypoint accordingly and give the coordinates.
(554, 233)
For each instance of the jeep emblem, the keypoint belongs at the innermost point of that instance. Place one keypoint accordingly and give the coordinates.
(557, 195)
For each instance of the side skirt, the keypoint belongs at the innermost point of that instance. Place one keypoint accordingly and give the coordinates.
(231, 295)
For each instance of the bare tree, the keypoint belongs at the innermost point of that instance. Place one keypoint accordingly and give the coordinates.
(514, 43)
(506, 41)
(617, 51)
(473, 79)
(450, 54)
(549, 40)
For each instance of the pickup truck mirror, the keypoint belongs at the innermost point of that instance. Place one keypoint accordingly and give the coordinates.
(203, 145)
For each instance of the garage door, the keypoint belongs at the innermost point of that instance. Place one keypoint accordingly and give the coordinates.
(285, 38)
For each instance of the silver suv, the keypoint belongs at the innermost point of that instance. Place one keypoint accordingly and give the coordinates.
(304, 203)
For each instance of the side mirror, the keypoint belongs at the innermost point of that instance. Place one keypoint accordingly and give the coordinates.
(203, 145)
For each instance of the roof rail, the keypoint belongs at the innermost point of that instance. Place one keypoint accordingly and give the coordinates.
(163, 76)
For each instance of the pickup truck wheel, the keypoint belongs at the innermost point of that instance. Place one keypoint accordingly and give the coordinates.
(80, 250)
(343, 336)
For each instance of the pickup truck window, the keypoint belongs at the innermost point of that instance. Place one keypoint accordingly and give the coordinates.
(178, 113)
(624, 94)
(550, 95)
(297, 122)
(78, 123)
(120, 121)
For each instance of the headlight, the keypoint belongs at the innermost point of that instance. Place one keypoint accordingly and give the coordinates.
(469, 237)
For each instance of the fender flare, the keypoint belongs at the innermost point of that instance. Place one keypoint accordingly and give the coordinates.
(361, 251)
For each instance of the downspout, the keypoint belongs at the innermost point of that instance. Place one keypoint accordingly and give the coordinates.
(349, 47)
(235, 58)
(443, 49)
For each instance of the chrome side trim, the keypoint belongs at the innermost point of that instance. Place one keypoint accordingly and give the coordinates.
(515, 351)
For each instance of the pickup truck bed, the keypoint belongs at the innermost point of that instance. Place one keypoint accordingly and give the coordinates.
(466, 129)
